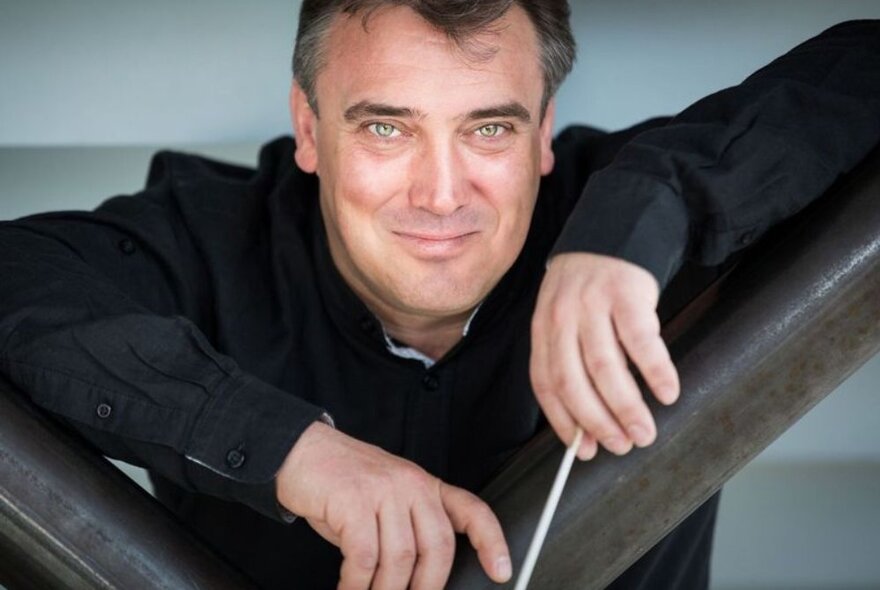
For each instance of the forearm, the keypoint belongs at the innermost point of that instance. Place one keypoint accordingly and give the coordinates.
(143, 386)
(719, 174)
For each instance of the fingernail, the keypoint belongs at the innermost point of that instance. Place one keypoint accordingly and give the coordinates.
(617, 445)
(502, 568)
(586, 452)
(668, 394)
(639, 434)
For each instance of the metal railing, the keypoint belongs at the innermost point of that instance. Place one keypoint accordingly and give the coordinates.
(69, 519)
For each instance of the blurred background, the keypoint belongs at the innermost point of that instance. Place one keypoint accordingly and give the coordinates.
(90, 89)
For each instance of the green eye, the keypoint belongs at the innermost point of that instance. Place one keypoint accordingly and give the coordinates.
(493, 130)
(384, 130)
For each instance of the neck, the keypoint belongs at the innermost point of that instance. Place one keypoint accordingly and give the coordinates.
(431, 334)
(433, 337)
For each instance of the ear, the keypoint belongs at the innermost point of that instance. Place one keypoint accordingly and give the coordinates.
(305, 128)
(547, 157)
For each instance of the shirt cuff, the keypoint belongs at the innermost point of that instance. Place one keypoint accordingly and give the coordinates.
(241, 438)
(631, 216)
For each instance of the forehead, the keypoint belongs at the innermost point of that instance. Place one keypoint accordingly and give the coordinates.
(397, 57)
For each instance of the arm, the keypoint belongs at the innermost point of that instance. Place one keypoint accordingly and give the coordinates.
(707, 184)
(719, 174)
(99, 323)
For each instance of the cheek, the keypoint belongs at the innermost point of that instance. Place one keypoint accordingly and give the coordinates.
(509, 182)
(362, 184)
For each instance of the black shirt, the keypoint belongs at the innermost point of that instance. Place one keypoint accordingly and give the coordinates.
(198, 327)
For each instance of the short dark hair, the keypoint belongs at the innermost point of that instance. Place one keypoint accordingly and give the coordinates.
(458, 19)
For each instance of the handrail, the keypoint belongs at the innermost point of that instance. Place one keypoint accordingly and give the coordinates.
(69, 519)
(787, 326)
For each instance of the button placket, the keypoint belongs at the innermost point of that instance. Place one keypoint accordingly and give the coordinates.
(428, 420)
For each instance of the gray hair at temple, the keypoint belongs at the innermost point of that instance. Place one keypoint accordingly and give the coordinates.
(460, 20)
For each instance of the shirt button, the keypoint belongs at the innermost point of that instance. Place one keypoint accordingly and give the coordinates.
(127, 246)
(235, 458)
(746, 238)
(430, 382)
(103, 410)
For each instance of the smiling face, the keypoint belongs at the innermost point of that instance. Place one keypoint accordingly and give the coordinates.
(429, 157)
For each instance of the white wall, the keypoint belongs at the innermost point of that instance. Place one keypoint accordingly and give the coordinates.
(110, 73)
(98, 72)
(640, 59)
(131, 71)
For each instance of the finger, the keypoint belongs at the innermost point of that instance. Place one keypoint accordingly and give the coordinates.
(359, 543)
(638, 328)
(565, 427)
(539, 372)
(589, 447)
(539, 356)
(471, 516)
(435, 540)
(576, 392)
(606, 364)
(397, 548)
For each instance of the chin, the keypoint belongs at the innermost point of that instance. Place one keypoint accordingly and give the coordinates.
(442, 298)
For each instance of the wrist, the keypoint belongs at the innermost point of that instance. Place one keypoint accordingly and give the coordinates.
(295, 463)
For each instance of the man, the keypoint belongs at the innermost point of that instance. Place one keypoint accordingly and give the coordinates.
(216, 327)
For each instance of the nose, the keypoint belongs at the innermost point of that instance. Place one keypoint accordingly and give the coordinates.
(438, 179)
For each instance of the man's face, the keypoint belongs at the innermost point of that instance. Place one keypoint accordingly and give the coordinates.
(429, 160)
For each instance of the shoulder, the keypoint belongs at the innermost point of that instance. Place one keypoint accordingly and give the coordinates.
(219, 206)
(580, 151)
(192, 174)
(210, 192)
(590, 149)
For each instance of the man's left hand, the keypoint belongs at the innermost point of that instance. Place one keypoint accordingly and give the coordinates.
(594, 313)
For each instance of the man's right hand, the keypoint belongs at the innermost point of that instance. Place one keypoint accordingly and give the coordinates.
(393, 522)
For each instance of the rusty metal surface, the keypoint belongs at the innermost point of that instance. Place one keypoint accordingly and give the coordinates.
(69, 519)
(787, 327)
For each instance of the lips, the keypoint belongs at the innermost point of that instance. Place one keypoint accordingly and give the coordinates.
(434, 237)
(435, 246)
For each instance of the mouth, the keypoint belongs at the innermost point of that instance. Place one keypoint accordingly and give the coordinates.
(436, 246)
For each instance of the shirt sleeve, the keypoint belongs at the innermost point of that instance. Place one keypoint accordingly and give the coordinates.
(718, 175)
(100, 319)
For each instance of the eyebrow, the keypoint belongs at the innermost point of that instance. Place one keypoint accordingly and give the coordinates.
(365, 109)
(508, 110)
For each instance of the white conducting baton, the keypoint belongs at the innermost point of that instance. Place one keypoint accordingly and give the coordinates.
(549, 509)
